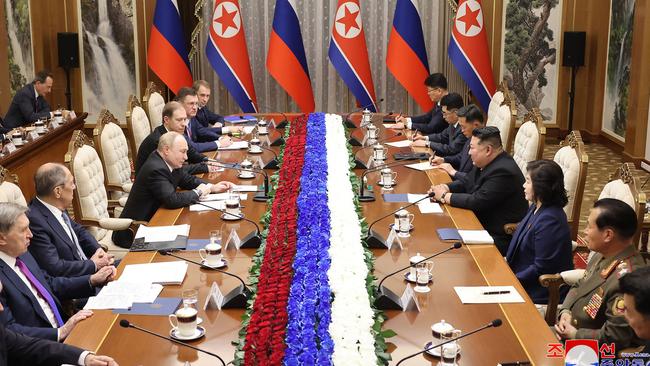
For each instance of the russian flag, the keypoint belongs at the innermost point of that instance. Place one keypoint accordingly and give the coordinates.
(286, 59)
(167, 54)
(407, 56)
(349, 54)
(468, 51)
(226, 50)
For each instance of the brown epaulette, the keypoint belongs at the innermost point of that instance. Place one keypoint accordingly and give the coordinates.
(605, 273)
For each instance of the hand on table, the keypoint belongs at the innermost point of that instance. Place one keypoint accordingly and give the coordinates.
(103, 276)
(448, 168)
(222, 186)
(98, 360)
(66, 328)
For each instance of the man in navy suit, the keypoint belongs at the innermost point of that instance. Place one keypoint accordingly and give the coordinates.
(31, 298)
(451, 140)
(29, 104)
(459, 165)
(432, 121)
(493, 189)
(19, 349)
(61, 246)
(200, 138)
(205, 116)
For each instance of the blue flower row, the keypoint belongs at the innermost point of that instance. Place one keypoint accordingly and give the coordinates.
(309, 309)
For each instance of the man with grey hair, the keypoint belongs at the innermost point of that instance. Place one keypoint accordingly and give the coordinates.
(29, 104)
(156, 184)
(61, 246)
(31, 297)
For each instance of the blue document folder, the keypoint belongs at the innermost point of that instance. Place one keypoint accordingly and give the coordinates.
(448, 234)
(162, 306)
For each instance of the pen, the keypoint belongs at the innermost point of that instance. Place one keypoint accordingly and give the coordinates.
(496, 292)
(516, 363)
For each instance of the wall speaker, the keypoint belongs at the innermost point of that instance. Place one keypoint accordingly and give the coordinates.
(68, 45)
(573, 50)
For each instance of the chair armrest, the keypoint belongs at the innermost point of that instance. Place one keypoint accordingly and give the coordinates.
(553, 282)
(510, 228)
(126, 187)
(573, 276)
(115, 224)
(122, 200)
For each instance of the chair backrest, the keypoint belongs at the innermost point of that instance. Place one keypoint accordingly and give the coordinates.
(503, 115)
(9, 189)
(529, 141)
(113, 150)
(137, 122)
(153, 103)
(624, 186)
(90, 201)
(573, 160)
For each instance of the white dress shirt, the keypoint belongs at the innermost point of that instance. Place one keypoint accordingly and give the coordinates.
(58, 215)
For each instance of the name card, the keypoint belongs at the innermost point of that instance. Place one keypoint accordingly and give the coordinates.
(9, 148)
(233, 239)
(214, 299)
(393, 239)
(33, 135)
(408, 300)
(54, 124)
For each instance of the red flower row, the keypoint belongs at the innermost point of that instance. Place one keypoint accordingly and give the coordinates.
(266, 329)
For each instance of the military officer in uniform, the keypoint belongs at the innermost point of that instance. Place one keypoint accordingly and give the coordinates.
(594, 307)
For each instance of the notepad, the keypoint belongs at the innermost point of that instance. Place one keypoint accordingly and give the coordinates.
(420, 166)
(161, 272)
(402, 143)
(477, 294)
(475, 237)
(236, 145)
(152, 234)
(221, 197)
(219, 205)
(427, 207)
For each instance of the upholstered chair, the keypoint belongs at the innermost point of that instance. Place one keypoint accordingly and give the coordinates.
(503, 115)
(9, 189)
(529, 141)
(138, 126)
(153, 103)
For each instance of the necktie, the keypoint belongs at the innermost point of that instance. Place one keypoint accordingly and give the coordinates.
(40, 289)
(188, 129)
(66, 219)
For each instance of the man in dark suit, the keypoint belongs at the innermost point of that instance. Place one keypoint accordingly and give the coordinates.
(451, 140)
(432, 121)
(31, 297)
(156, 185)
(61, 246)
(459, 165)
(205, 116)
(29, 104)
(636, 299)
(174, 119)
(19, 349)
(201, 138)
(493, 189)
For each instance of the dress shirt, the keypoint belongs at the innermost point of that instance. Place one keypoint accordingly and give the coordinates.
(36, 95)
(11, 262)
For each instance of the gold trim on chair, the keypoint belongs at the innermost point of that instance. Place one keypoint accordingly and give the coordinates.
(624, 173)
(6, 176)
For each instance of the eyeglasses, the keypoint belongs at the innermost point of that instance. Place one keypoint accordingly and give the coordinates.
(446, 112)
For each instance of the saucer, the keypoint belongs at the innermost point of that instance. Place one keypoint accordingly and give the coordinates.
(436, 351)
(393, 225)
(241, 176)
(407, 277)
(198, 333)
(224, 263)
(255, 151)
(393, 184)
(230, 217)
(422, 290)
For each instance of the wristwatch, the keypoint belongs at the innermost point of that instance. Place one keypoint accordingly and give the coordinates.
(442, 198)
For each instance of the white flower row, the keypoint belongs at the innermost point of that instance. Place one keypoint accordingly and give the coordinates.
(352, 315)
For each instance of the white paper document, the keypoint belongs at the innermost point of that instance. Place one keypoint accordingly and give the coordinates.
(236, 145)
(414, 197)
(221, 197)
(107, 302)
(143, 292)
(403, 143)
(488, 294)
(219, 205)
(420, 166)
(390, 125)
(245, 188)
(429, 207)
(152, 234)
(163, 273)
(248, 129)
(475, 237)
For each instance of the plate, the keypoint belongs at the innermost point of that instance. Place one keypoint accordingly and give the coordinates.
(436, 351)
(408, 278)
(224, 263)
(379, 183)
(230, 217)
(198, 333)
(241, 176)
(255, 151)
(393, 225)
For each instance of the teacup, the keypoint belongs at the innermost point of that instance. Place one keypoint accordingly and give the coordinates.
(262, 128)
(184, 321)
(388, 178)
(255, 146)
(39, 127)
(211, 254)
(379, 152)
(17, 138)
(58, 117)
(232, 209)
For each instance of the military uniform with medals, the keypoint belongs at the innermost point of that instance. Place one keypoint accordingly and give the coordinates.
(596, 303)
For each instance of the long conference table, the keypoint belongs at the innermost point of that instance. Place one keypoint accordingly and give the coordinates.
(524, 335)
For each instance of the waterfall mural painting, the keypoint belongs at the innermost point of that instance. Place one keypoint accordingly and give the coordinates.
(531, 35)
(109, 62)
(619, 57)
(19, 34)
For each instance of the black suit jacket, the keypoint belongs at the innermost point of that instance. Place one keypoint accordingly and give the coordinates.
(53, 249)
(22, 312)
(207, 118)
(155, 186)
(19, 349)
(202, 139)
(495, 194)
(150, 144)
(448, 142)
(25, 108)
(430, 122)
(462, 162)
